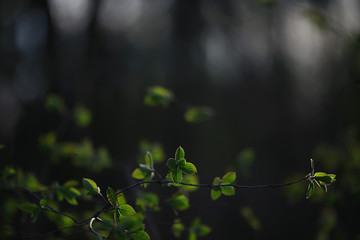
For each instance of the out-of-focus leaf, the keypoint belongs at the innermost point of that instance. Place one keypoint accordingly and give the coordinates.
(156, 150)
(250, 217)
(55, 103)
(199, 229)
(192, 179)
(140, 173)
(140, 235)
(180, 202)
(317, 18)
(149, 161)
(148, 201)
(198, 114)
(244, 160)
(177, 228)
(158, 95)
(32, 209)
(82, 116)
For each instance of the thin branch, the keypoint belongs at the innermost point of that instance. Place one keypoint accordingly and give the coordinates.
(92, 229)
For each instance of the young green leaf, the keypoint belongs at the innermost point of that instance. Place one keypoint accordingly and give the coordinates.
(32, 209)
(215, 193)
(188, 168)
(126, 210)
(228, 178)
(149, 160)
(180, 202)
(140, 235)
(198, 114)
(180, 153)
(323, 177)
(111, 196)
(228, 190)
(177, 176)
(181, 162)
(310, 190)
(171, 164)
(90, 186)
(140, 173)
(216, 181)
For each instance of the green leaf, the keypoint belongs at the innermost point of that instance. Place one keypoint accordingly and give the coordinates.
(215, 193)
(245, 159)
(177, 175)
(323, 177)
(192, 236)
(200, 229)
(32, 209)
(90, 186)
(126, 210)
(149, 161)
(191, 179)
(42, 203)
(155, 148)
(131, 223)
(148, 201)
(228, 190)
(310, 190)
(82, 116)
(216, 181)
(180, 153)
(188, 168)
(177, 228)
(70, 194)
(171, 164)
(111, 196)
(198, 114)
(228, 178)
(140, 173)
(180, 202)
(2, 146)
(181, 162)
(55, 103)
(323, 187)
(28, 207)
(140, 235)
(158, 95)
(71, 183)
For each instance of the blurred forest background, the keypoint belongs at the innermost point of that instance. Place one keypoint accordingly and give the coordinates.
(281, 78)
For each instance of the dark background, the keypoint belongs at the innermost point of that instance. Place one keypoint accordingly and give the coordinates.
(281, 76)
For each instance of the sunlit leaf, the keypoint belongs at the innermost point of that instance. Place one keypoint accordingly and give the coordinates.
(191, 179)
(90, 186)
(227, 190)
(156, 150)
(188, 168)
(215, 193)
(177, 175)
(323, 177)
(126, 210)
(228, 178)
(140, 173)
(148, 160)
(180, 153)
